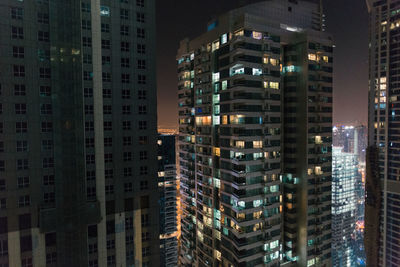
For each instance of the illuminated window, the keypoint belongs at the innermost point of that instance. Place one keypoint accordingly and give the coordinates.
(325, 58)
(215, 46)
(240, 144)
(274, 62)
(215, 77)
(274, 85)
(265, 59)
(104, 11)
(241, 216)
(265, 84)
(224, 85)
(239, 33)
(312, 57)
(257, 72)
(217, 151)
(318, 140)
(225, 119)
(224, 38)
(257, 215)
(257, 35)
(257, 144)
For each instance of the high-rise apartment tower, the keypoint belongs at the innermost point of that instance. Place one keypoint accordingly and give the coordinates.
(382, 235)
(255, 134)
(78, 154)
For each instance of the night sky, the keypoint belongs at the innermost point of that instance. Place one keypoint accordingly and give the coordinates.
(346, 20)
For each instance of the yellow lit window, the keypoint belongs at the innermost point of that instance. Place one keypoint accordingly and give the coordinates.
(309, 171)
(318, 140)
(273, 61)
(240, 144)
(265, 84)
(257, 215)
(312, 57)
(225, 119)
(274, 85)
(257, 144)
(318, 170)
(325, 58)
(265, 59)
(383, 80)
(215, 46)
(217, 151)
(239, 33)
(240, 216)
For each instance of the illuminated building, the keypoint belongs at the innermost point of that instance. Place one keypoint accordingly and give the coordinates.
(353, 139)
(168, 184)
(78, 133)
(259, 81)
(382, 235)
(344, 207)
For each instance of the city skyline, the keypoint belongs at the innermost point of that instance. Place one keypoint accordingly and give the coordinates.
(346, 20)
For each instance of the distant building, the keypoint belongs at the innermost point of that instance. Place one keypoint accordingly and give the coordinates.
(255, 138)
(167, 183)
(344, 207)
(353, 139)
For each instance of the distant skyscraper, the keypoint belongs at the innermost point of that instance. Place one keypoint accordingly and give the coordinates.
(382, 235)
(167, 182)
(353, 139)
(78, 158)
(344, 207)
(255, 135)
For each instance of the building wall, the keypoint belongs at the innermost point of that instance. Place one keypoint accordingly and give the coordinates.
(383, 132)
(76, 96)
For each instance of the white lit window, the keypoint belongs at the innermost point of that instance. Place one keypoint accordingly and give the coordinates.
(104, 11)
(224, 38)
(257, 35)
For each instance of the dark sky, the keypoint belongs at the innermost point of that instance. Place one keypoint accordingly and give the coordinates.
(347, 20)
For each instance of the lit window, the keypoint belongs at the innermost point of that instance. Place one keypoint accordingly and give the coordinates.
(274, 85)
(257, 144)
(257, 35)
(215, 46)
(312, 57)
(274, 62)
(215, 77)
(224, 85)
(104, 11)
(224, 38)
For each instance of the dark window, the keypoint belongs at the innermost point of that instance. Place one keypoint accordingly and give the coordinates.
(140, 33)
(26, 243)
(43, 36)
(19, 90)
(140, 17)
(18, 51)
(17, 32)
(24, 221)
(17, 13)
(43, 18)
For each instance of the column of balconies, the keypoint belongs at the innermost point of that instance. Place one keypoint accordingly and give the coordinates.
(250, 164)
(186, 159)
